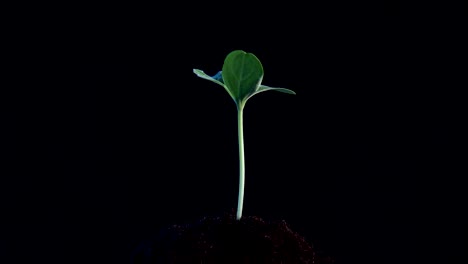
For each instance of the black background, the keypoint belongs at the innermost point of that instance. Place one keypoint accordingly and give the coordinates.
(109, 135)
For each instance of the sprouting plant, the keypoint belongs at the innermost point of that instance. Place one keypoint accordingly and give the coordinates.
(241, 76)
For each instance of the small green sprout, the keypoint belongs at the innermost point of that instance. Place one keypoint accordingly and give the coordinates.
(241, 76)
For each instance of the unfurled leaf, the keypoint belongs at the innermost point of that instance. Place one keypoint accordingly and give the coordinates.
(241, 76)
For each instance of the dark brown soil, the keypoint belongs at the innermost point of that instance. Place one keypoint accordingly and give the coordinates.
(225, 240)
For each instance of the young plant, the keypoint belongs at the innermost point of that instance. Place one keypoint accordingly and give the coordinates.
(241, 76)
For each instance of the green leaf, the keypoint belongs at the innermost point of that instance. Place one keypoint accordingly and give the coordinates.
(242, 74)
(263, 88)
(217, 78)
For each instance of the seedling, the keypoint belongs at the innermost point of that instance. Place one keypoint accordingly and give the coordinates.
(241, 76)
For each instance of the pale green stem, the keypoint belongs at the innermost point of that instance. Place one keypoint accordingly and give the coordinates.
(240, 202)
